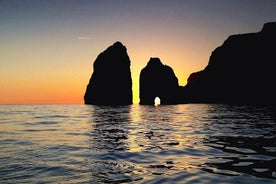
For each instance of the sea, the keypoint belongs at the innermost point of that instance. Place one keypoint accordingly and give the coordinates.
(187, 143)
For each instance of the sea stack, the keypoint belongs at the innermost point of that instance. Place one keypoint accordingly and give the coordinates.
(110, 83)
(157, 80)
(240, 71)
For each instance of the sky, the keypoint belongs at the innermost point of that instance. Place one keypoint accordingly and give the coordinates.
(47, 47)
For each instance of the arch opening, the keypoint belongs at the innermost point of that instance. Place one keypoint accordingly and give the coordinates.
(157, 101)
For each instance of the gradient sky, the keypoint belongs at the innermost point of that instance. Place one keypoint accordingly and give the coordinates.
(47, 47)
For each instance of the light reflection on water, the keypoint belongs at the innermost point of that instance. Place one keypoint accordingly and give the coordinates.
(189, 143)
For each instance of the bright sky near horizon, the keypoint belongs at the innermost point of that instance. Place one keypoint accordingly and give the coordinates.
(47, 47)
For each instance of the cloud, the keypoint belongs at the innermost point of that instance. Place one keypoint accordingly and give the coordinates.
(84, 38)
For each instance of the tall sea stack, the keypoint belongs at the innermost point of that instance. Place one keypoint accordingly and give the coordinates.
(110, 83)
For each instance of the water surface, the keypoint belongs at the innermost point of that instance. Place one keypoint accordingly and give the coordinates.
(189, 143)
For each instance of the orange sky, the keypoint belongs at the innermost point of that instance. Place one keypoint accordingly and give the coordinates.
(48, 48)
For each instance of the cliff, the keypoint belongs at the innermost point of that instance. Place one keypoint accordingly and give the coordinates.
(110, 83)
(241, 70)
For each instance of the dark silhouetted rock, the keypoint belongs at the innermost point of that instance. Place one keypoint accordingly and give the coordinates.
(240, 71)
(110, 83)
(157, 80)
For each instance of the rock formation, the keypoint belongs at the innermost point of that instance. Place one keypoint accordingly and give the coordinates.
(110, 83)
(157, 80)
(241, 70)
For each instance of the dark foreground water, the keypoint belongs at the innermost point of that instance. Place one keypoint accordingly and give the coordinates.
(190, 143)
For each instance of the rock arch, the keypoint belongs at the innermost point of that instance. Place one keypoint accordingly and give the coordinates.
(157, 80)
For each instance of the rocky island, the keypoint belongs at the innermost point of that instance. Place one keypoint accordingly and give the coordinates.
(240, 71)
(110, 83)
(157, 80)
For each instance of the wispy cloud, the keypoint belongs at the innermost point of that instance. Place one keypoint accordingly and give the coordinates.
(84, 38)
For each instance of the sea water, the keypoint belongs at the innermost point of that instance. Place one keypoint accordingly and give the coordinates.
(188, 143)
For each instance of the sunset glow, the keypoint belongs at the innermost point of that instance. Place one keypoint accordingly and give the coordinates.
(48, 48)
